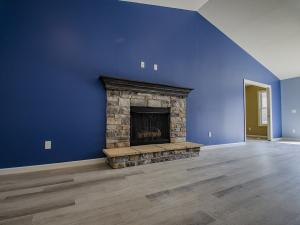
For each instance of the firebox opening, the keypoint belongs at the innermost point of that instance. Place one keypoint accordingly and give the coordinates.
(149, 125)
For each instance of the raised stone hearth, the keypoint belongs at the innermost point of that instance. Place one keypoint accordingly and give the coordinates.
(161, 119)
(146, 154)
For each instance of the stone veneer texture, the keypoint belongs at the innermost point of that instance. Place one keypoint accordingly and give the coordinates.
(118, 115)
(151, 157)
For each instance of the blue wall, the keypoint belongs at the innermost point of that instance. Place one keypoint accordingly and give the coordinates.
(290, 94)
(52, 53)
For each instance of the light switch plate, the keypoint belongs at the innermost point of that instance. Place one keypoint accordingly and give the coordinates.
(142, 64)
(294, 131)
(209, 134)
(48, 145)
(155, 67)
(294, 111)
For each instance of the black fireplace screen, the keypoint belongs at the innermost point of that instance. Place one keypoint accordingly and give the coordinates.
(149, 125)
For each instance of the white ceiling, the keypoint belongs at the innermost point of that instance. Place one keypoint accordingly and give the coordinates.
(179, 4)
(269, 30)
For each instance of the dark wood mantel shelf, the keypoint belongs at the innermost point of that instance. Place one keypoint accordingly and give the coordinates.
(113, 83)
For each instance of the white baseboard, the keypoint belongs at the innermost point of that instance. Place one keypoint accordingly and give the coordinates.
(206, 147)
(52, 166)
(257, 136)
(289, 139)
(277, 139)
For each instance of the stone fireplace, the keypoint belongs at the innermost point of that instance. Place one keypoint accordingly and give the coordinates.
(143, 114)
(124, 95)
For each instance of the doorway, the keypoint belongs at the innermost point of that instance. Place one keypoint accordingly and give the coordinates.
(257, 111)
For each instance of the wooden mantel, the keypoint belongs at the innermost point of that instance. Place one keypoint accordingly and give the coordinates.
(112, 83)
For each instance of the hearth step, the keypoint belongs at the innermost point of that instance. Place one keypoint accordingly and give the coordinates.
(146, 154)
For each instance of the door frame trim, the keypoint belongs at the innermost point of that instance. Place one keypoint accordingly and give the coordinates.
(270, 111)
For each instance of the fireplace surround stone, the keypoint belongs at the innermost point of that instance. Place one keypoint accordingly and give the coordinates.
(147, 154)
(118, 115)
(123, 94)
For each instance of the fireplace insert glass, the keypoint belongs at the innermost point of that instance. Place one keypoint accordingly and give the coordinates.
(149, 125)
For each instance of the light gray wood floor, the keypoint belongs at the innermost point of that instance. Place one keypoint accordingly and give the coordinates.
(257, 183)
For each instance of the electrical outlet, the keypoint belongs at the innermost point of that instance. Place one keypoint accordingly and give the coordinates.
(155, 67)
(209, 134)
(249, 128)
(143, 65)
(294, 131)
(294, 111)
(48, 145)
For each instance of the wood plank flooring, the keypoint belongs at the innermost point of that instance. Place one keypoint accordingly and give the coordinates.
(254, 184)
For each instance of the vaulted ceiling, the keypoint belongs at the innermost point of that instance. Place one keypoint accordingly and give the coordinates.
(179, 4)
(269, 30)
